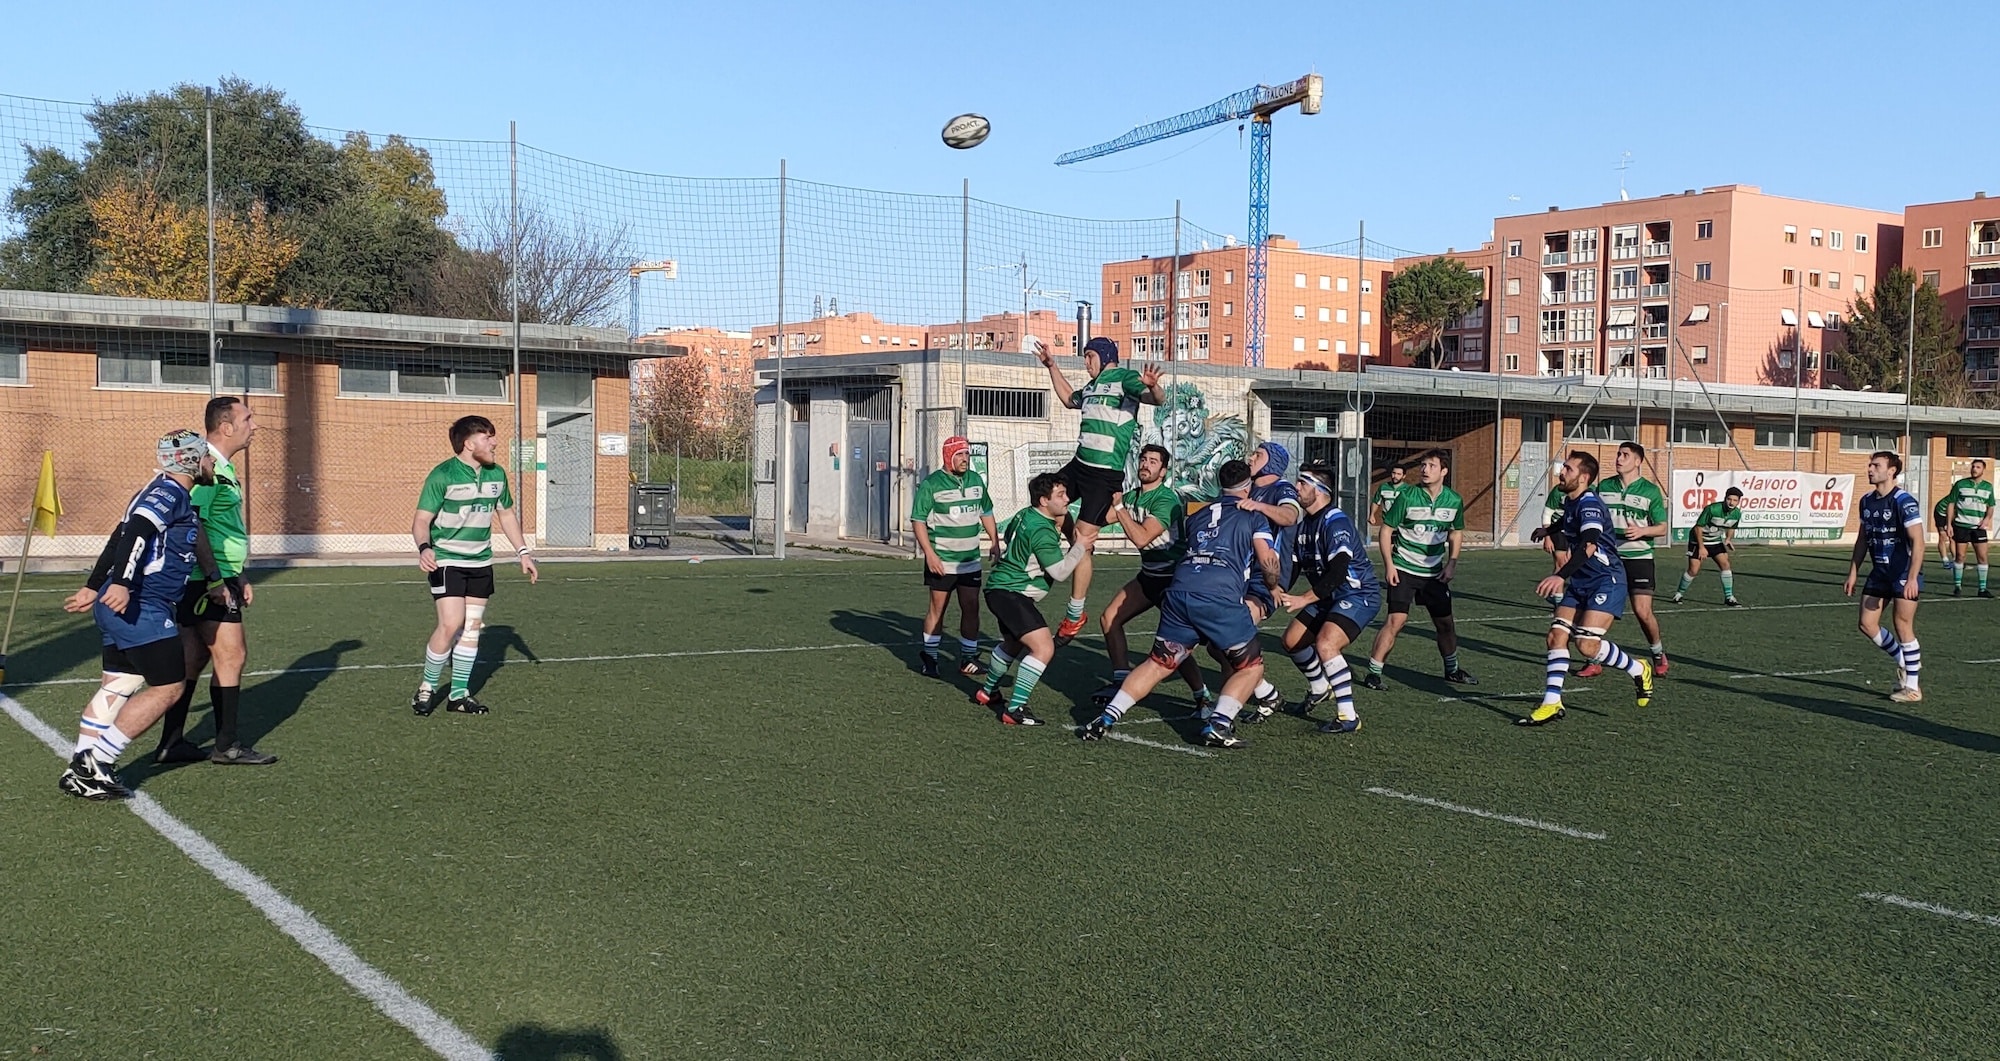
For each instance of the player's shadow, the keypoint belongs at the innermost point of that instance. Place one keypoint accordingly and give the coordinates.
(263, 708)
(52, 655)
(532, 1042)
(894, 632)
(1889, 718)
(495, 644)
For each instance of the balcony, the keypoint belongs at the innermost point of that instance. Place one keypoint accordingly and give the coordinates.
(1624, 252)
(1656, 372)
(1550, 337)
(1555, 258)
(1982, 291)
(1653, 331)
(1986, 248)
(1983, 378)
(1554, 298)
(1627, 294)
(1659, 250)
(1983, 331)
(1656, 290)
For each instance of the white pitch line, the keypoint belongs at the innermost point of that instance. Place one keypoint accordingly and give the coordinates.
(1181, 748)
(1982, 662)
(1932, 908)
(736, 576)
(552, 659)
(445, 1039)
(1510, 819)
(1795, 673)
(1499, 696)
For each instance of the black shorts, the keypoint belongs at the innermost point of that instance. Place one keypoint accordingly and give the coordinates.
(1154, 587)
(1713, 550)
(158, 662)
(1015, 613)
(473, 582)
(1433, 593)
(945, 583)
(196, 608)
(1969, 535)
(1641, 576)
(1091, 488)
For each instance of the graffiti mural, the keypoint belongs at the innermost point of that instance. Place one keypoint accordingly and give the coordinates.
(1201, 443)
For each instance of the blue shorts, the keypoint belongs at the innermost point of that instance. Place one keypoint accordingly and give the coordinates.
(1187, 621)
(1352, 614)
(1885, 585)
(1605, 595)
(143, 624)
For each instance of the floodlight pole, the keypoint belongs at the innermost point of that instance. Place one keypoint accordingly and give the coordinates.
(1798, 362)
(1910, 373)
(208, 136)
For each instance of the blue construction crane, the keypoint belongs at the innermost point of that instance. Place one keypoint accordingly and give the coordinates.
(1256, 104)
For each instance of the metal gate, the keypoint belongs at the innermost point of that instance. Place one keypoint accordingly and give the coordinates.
(1535, 485)
(572, 481)
(800, 467)
(871, 456)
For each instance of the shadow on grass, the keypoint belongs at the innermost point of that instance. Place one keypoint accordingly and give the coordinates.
(265, 706)
(532, 1042)
(1893, 719)
(495, 642)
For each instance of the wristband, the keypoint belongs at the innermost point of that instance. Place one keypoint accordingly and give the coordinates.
(212, 576)
(522, 551)
(421, 548)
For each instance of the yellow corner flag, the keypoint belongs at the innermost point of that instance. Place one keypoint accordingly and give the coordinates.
(47, 505)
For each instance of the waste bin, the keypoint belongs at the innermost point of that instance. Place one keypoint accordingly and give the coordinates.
(651, 516)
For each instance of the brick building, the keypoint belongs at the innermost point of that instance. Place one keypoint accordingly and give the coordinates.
(1955, 247)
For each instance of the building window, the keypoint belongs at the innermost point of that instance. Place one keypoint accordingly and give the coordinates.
(1833, 281)
(1117, 287)
(1201, 346)
(1600, 429)
(1791, 233)
(1229, 276)
(1860, 243)
(1325, 315)
(1860, 283)
(1183, 284)
(1867, 440)
(1933, 237)
(1777, 434)
(1704, 270)
(421, 378)
(1298, 344)
(1007, 403)
(1323, 345)
(1326, 283)
(1818, 238)
(1201, 281)
(1698, 354)
(1513, 248)
(13, 362)
(1340, 283)
(185, 369)
(1789, 277)
(1364, 348)
(1141, 287)
(1298, 279)
(1114, 320)
(1698, 433)
(1340, 316)
(1704, 230)
(1340, 346)
(1513, 362)
(1367, 287)
(1931, 278)
(1812, 278)
(1298, 313)
(1364, 317)
(1228, 340)
(1513, 326)
(1229, 309)
(1834, 239)
(1513, 285)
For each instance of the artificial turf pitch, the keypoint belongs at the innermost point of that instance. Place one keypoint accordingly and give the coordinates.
(723, 816)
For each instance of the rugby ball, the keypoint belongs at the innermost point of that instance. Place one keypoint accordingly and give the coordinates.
(966, 131)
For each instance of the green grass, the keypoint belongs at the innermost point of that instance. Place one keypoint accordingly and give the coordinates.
(707, 487)
(821, 854)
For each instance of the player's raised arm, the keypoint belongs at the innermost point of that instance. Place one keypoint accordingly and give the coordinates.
(1066, 395)
(1155, 393)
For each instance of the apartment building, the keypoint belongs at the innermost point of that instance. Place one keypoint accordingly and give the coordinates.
(1955, 247)
(1320, 310)
(722, 358)
(1724, 284)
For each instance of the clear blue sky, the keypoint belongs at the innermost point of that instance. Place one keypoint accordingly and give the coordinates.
(1873, 104)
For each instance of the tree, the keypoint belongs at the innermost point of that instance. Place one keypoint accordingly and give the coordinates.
(689, 409)
(1421, 302)
(1878, 343)
(569, 273)
(148, 247)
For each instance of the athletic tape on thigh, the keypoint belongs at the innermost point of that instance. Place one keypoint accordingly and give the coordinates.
(1593, 632)
(1560, 623)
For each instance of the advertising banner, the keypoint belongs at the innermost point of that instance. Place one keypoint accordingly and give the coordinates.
(1792, 506)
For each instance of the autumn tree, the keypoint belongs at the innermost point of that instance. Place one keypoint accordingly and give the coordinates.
(149, 247)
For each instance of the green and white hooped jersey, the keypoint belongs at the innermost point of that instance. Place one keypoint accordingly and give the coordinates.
(1385, 495)
(1553, 506)
(1423, 526)
(1637, 504)
(1974, 498)
(954, 507)
(1715, 521)
(463, 499)
(1163, 503)
(1033, 546)
(1110, 407)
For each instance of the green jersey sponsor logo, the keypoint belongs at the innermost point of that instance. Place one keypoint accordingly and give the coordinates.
(1110, 407)
(1033, 546)
(1716, 521)
(1163, 503)
(954, 507)
(462, 500)
(1638, 503)
(1423, 524)
(1974, 498)
(221, 509)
